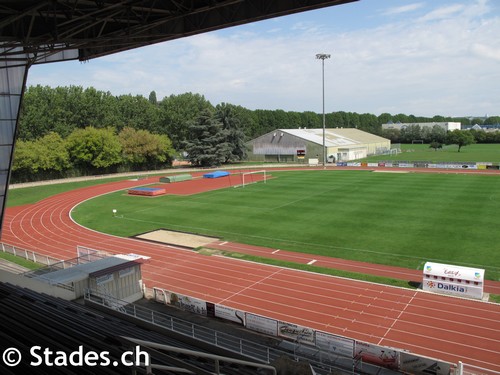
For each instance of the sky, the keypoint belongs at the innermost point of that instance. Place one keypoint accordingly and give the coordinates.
(423, 58)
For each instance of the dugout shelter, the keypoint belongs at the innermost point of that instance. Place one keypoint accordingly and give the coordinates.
(453, 280)
(118, 276)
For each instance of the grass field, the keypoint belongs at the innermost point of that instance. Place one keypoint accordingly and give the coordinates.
(419, 152)
(396, 219)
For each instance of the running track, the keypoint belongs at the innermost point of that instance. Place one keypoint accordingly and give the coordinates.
(441, 327)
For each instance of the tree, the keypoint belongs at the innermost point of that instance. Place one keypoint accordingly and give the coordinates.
(206, 144)
(152, 98)
(411, 133)
(137, 112)
(44, 158)
(438, 134)
(384, 118)
(393, 134)
(311, 120)
(461, 138)
(227, 115)
(92, 148)
(145, 150)
(369, 123)
(54, 154)
(176, 111)
(492, 120)
(435, 145)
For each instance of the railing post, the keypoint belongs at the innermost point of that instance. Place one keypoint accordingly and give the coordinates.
(460, 368)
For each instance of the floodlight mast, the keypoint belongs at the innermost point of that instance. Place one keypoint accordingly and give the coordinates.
(323, 57)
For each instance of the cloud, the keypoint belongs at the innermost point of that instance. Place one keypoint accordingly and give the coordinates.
(485, 51)
(445, 62)
(443, 12)
(403, 9)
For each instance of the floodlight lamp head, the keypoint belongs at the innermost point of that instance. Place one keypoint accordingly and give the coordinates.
(322, 56)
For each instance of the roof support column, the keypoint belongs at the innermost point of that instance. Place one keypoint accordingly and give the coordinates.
(13, 75)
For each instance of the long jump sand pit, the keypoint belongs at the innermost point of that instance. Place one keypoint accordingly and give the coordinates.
(182, 239)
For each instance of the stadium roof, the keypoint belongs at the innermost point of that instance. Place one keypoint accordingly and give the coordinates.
(93, 28)
(335, 137)
(95, 269)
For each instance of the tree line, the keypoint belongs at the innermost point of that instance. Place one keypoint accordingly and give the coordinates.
(436, 134)
(67, 131)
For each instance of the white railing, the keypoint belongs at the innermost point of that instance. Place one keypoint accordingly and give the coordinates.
(216, 358)
(29, 254)
(466, 369)
(222, 340)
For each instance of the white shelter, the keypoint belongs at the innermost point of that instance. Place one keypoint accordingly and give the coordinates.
(118, 276)
(453, 280)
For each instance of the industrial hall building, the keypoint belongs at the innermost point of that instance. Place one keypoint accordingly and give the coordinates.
(301, 145)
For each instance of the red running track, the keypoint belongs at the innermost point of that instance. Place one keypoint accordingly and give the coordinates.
(447, 328)
(398, 273)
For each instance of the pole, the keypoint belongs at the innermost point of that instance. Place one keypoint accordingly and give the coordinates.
(323, 57)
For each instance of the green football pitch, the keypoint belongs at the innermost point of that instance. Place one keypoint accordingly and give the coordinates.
(402, 219)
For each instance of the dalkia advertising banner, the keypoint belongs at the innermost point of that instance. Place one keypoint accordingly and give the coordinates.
(454, 289)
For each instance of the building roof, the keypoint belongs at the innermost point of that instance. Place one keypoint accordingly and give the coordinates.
(335, 137)
(96, 268)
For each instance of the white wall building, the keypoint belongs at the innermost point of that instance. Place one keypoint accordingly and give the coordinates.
(443, 125)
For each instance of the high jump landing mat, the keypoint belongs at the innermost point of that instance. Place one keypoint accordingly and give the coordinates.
(147, 191)
(216, 174)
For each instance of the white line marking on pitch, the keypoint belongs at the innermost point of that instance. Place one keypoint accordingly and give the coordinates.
(312, 262)
(275, 251)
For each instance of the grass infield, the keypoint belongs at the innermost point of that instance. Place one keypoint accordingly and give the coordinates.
(422, 152)
(395, 219)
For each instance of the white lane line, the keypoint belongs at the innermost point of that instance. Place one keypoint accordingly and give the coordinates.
(396, 320)
(312, 262)
(252, 285)
(275, 251)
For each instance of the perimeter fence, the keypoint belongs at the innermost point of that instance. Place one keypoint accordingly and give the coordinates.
(31, 255)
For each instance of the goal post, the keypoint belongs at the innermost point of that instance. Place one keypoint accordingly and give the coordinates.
(253, 177)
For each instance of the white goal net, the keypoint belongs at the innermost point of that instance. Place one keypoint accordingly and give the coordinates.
(253, 177)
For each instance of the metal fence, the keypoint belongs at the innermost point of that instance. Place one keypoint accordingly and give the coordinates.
(466, 369)
(322, 362)
(29, 254)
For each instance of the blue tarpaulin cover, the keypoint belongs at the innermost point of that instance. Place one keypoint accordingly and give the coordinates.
(216, 174)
